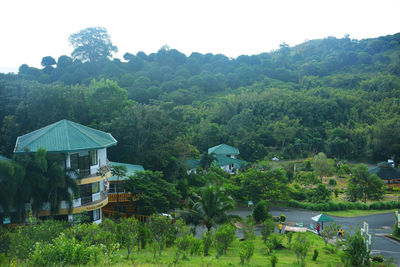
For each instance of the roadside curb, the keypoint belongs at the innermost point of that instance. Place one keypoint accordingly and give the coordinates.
(393, 238)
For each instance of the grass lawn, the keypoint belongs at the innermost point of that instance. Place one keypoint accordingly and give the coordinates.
(285, 256)
(357, 213)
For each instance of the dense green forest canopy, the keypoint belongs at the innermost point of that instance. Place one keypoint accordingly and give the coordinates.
(340, 96)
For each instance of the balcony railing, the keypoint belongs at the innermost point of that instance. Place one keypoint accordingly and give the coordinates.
(85, 173)
(119, 197)
(89, 199)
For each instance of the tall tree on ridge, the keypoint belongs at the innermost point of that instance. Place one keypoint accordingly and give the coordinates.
(92, 44)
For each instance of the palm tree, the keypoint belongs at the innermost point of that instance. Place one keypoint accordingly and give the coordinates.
(45, 182)
(11, 177)
(209, 207)
(207, 159)
(60, 186)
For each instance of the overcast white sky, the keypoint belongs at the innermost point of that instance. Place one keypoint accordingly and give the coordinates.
(30, 30)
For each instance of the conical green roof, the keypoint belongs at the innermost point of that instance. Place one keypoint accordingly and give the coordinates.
(223, 149)
(64, 136)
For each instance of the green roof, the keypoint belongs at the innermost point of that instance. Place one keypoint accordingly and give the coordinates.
(4, 158)
(192, 163)
(224, 160)
(131, 170)
(322, 218)
(386, 173)
(223, 150)
(64, 136)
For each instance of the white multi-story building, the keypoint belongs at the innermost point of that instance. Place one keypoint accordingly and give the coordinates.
(85, 151)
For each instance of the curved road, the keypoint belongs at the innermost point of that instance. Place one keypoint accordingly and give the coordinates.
(379, 225)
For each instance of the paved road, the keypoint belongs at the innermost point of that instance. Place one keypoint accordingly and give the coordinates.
(379, 225)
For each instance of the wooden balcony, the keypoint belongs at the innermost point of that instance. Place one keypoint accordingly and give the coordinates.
(119, 197)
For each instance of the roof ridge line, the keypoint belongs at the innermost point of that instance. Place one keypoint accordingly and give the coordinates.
(67, 135)
(88, 136)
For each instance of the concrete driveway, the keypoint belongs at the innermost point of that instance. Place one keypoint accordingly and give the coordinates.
(379, 225)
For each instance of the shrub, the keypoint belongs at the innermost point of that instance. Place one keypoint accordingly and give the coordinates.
(224, 236)
(274, 260)
(183, 240)
(396, 228)
(64, 251)
(315, 256)
(378, 258)
(300, 247)
(268, 227)
(294, 203)
(4, 240)
(128, 233)
(355, 251)
(332, 182)
(207, 242)
(246, 251)
(275, 241)
(282, 218)
(161, 229)
(22, 242)
(196, 246)
(260, 212)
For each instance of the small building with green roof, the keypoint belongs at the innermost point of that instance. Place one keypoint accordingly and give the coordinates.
(387, 173)
(85, 151)
(225, 157)
(118, 199)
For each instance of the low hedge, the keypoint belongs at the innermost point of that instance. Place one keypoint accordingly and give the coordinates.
(333, 206)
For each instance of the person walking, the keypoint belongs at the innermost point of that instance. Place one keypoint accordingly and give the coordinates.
(280, 226)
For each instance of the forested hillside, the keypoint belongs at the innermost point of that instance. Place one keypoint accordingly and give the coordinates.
(340, 96)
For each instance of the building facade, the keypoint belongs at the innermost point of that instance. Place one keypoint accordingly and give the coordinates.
(85, 153)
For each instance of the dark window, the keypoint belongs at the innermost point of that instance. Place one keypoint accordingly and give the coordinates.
(74, 161)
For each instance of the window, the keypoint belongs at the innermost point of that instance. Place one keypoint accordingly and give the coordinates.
(120, 188)
(74, 158)
(96, 215)
(95, 187)
(93, 157)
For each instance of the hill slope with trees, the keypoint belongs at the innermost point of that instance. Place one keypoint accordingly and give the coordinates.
(339, 96)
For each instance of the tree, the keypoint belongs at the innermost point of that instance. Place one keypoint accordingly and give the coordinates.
(92, 44)
(356, 251)
(152, 193)
(319, 194)
(300, 247)
(129, 233)
(224, 236)
(45, 182)
(322, 165)
(268, 184)
(329, 232)
(160, 227)
(268, 227)
(208, 207)
(206, 160)
(364, 185)
(11, 177)
(261, 212)
(119, 171)
(48, 61)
